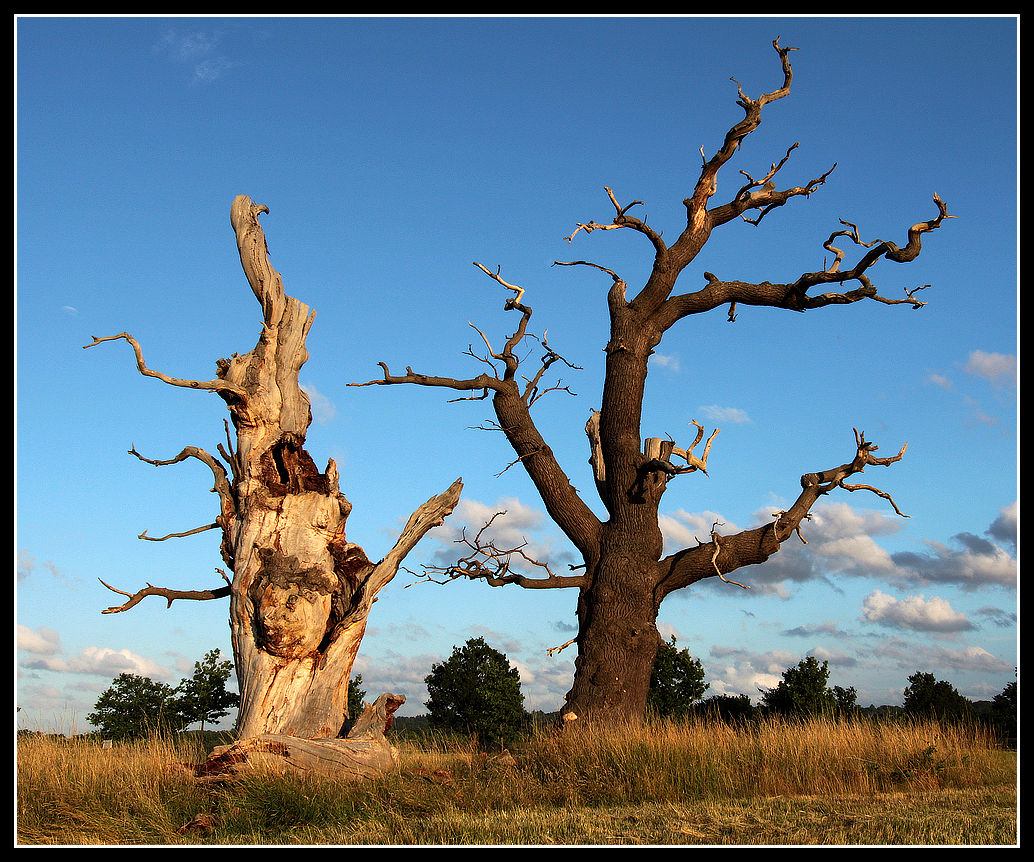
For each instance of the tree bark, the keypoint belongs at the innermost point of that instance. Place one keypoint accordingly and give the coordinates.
(625, 578)
(301, 592)
(364, 753)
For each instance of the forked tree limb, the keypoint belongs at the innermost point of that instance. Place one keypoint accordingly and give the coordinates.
(751, 547)
(794, 296)
(707, 185)
(222, 485)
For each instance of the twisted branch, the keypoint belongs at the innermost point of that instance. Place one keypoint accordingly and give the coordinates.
(212, 385)
(492, 564)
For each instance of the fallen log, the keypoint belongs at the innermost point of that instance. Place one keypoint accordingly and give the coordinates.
(364, 753)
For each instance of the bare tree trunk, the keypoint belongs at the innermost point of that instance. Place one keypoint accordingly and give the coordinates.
(625, 578)
(301, 592)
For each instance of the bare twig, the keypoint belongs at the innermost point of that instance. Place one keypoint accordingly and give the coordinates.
(518, 291)
(714, 557)
(492, 564)
(144, 535)
(552, 651)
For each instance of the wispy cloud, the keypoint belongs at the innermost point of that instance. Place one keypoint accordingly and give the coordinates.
(197, 51)
(323, 409)
(724, 415)
(669, 362)
(999, 369)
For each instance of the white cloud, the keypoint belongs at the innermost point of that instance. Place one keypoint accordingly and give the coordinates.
(740, 671)
(914, 612)
(101, 661)
(41, 641)
(669, 362)
(682, 529)
(997, 368)
(724, 415)
(197, 51)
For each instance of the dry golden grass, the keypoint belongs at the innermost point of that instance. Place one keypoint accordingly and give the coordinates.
(704, 783)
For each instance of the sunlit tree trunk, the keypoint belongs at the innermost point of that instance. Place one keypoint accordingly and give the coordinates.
(301, 591)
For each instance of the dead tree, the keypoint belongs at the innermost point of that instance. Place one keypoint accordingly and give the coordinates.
(300, 591)
(625, 576)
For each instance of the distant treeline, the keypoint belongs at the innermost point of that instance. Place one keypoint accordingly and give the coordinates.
(738, 708)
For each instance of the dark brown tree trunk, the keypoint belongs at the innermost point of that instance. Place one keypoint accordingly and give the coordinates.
(625, 578)
(617, 641)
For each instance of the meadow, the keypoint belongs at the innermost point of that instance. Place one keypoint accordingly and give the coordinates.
(703, 782)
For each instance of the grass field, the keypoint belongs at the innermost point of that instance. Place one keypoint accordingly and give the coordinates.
(703, 783)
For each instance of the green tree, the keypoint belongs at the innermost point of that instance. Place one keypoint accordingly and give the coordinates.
(356, 697)
(802, 691)
(203, 697)
(476, 691)
(135, 707)
(846, 698)
(932, 698)
(1004, 710)
(676, 682)
(726, 707)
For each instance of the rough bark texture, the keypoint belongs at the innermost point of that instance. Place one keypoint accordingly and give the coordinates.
(364, 753)
(300, 592)
(625, 577)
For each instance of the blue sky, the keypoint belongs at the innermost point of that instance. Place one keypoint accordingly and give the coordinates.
(394, 152)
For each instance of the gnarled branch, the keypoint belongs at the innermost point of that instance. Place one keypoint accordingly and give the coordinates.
(217, 385)
(169, 595)
(794, 296)
(707, 185)
(193, 532)
(725, 554)
(492, 564)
